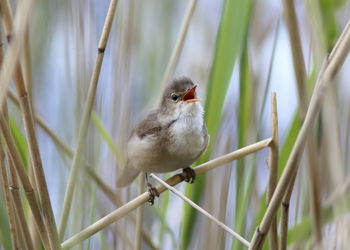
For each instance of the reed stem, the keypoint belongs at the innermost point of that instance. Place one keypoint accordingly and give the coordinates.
(25, 182)
(86, 118)
(273, 166)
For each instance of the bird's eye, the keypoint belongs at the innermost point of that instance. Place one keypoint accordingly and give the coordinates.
(174, 97)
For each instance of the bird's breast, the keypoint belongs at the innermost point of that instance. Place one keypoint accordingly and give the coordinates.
(186, 137)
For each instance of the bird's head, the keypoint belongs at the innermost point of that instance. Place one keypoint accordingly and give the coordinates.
(180, 95)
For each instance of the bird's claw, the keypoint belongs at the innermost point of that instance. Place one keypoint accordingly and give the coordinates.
(153, 193)
(189, 175)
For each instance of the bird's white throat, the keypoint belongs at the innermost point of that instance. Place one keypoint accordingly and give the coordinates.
(187, 132)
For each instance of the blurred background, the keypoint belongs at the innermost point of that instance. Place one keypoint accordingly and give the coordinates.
(238, 52)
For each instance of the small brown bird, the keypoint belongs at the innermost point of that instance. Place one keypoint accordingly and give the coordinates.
(173, 136)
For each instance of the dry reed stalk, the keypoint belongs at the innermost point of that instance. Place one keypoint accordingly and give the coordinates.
(91, 173)
(300, 73)
(139, 217)
(285, 213)
(179, 44)
(33, 147)
(27, 242)
(10, 180)
(12, 55)
(5, 186)
(174, 180)
(8, 202)
(86, 117)
(27, 73)
(25, 182)
(273, 167)
(333, 63)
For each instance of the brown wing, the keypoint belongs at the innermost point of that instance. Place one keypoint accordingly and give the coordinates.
(148, 126)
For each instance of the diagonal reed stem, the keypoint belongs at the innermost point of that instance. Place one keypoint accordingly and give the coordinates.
(12, 55)
(25, 182)
(334, 62)
(17, 204)
(273, 166)
(8, 202)
(86, 117)
(11, 182)
(174, 180)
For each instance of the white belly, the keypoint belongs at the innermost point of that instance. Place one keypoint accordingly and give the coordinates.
(187, 137)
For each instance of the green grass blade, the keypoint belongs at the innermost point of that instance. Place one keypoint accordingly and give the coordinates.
(229, 41)
(106, 136)
(5, 238)
(20, 141)
(244, 175)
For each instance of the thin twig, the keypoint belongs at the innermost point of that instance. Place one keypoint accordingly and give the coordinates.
(194, 205)
(25, 182)
(86, 117)
(334, 62)
(143, 198)
(273, 166)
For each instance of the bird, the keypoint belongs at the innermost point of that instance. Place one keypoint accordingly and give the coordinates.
(171, 137)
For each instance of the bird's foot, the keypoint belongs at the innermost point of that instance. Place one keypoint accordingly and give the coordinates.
(153, 193)
(188, 175)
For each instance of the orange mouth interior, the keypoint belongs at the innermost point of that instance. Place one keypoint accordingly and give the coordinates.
(190, 96)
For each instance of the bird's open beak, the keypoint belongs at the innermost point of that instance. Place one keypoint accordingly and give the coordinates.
(190, 96)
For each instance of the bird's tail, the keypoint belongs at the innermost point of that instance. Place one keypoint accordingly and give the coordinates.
(128, 174)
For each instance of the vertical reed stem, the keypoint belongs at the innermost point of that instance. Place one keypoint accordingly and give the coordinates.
(273, 165)
(139, 217)
(86, 117)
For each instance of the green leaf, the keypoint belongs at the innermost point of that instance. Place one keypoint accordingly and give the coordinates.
(244, 174)
(229, 41)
